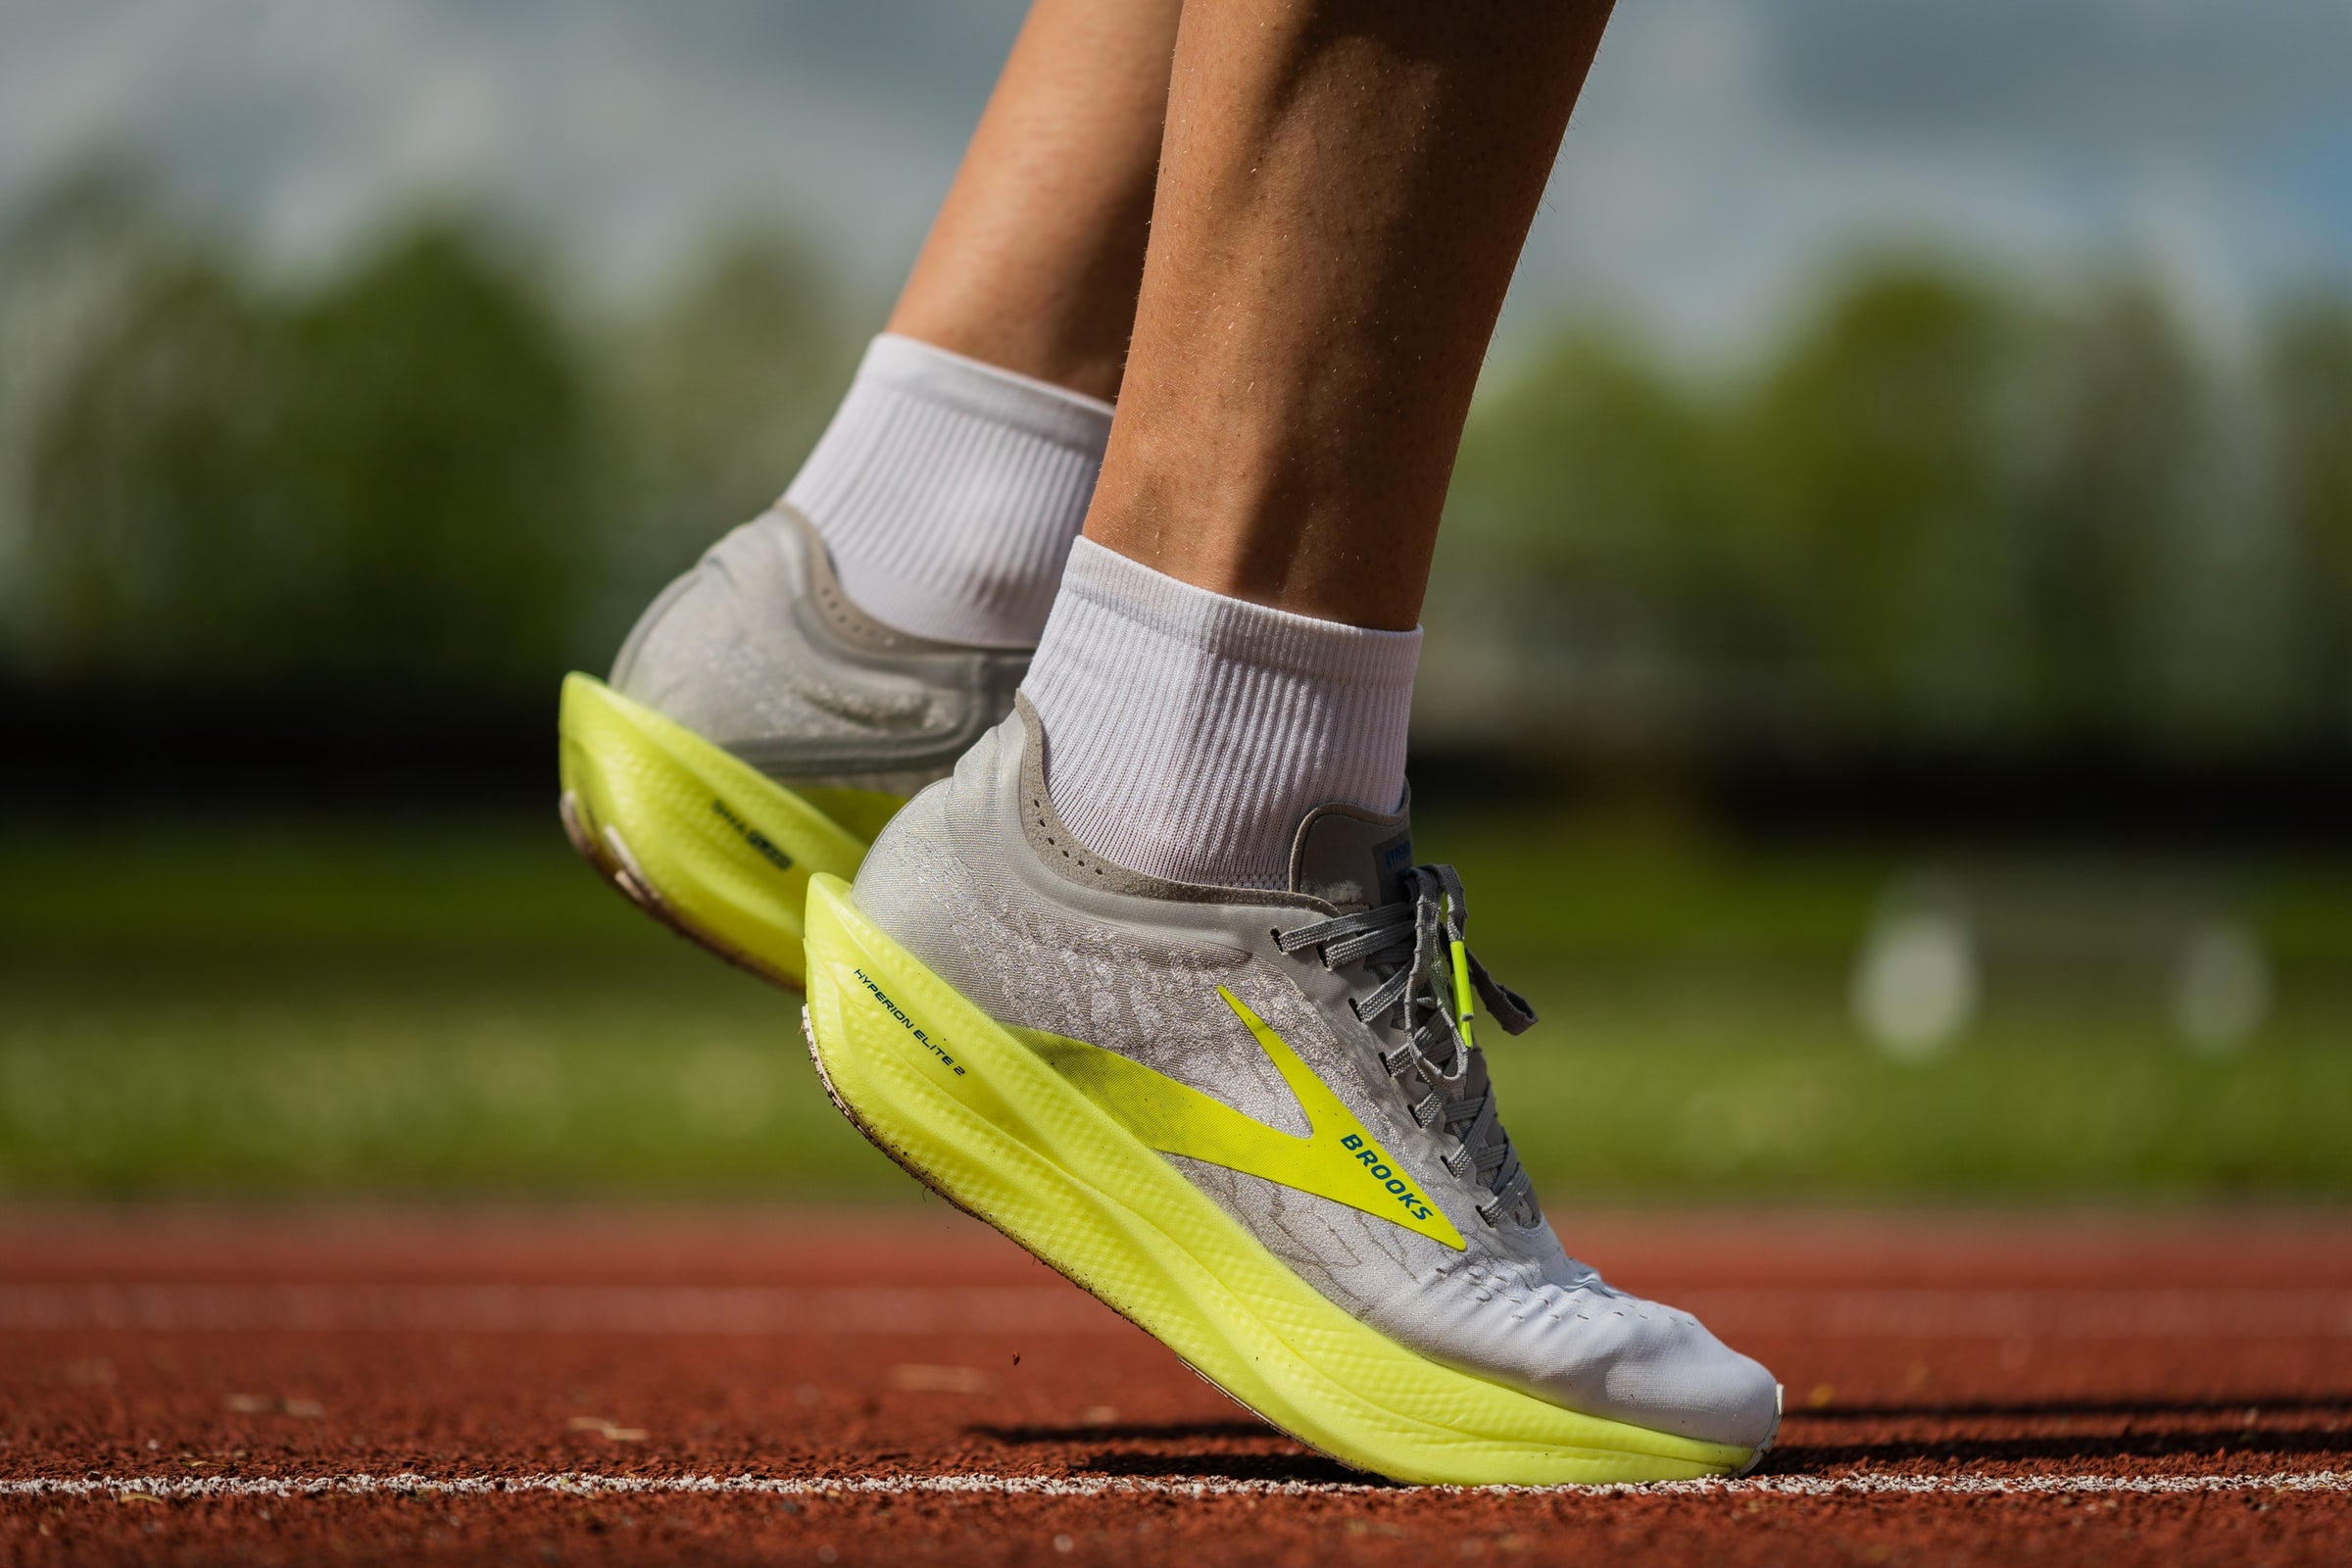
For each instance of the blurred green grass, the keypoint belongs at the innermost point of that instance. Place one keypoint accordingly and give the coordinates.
(422, 1009)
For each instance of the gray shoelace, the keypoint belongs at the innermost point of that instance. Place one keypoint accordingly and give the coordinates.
(1428, 978)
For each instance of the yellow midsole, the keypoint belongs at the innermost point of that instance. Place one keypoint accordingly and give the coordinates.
(726, 851)
(959, 1101)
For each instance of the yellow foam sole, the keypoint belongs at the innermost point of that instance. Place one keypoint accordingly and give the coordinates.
(698, 838)
(989, 1123)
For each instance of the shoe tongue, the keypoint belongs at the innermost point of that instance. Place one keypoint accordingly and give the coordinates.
(1351, 857)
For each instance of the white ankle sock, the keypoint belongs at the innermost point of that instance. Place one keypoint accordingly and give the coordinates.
(948, 492)
(1187, 733)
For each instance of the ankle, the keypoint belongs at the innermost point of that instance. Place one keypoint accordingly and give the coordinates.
(948, 492)
(1187, 732)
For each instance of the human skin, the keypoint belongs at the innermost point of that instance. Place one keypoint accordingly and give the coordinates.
(1344, 187)
(1293, 319)
(1033, 261)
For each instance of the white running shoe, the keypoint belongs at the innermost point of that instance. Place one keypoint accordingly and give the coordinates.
(760, 728)
(1258, 1125)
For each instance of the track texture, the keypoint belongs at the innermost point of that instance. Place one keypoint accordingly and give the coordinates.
(906, 1385)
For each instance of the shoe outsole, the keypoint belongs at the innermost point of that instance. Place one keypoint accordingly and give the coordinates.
(695, 836)
(986, 1122)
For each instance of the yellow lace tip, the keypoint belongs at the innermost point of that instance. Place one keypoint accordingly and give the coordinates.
(1464, 1007)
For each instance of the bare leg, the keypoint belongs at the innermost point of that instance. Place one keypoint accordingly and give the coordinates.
(1033, 261)
(1345, 189)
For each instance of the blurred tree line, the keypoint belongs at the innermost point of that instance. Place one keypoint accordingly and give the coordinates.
(1946, 514)
(425, 467)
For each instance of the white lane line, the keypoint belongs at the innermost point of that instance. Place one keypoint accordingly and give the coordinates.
(558, 1309)
(197, 1488)
(2154, 1314)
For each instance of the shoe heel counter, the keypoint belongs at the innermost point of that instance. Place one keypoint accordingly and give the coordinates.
(709, 648)
(919, 889)
(637, 669)
(908, 885)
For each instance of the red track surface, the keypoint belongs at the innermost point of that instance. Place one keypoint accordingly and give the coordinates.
(1961, 1390)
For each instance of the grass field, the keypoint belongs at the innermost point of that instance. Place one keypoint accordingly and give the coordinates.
(419, 1008)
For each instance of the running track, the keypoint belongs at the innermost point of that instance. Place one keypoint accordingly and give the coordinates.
(657, 1386)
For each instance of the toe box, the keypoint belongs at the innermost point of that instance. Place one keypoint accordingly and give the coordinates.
(1661, 1368)
(1593, 1349)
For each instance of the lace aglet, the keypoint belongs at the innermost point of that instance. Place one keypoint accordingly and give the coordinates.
(1463, 1005)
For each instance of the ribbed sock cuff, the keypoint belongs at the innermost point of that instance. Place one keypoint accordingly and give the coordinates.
(948, 491)
(1187, 733)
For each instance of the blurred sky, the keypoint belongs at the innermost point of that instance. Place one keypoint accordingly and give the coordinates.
(1726, 153)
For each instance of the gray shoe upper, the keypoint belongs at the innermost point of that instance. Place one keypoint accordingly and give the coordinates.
(759, 651)
(978, 878)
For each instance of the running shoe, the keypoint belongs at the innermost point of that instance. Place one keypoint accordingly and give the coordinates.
(759, 728)
(1259, 1125)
